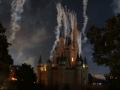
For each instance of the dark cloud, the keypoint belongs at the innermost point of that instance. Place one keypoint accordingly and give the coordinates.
(38, 23)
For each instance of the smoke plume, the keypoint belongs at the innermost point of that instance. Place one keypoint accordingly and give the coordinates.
(79, 43)
(68, 19)
(73, 18)
(65, 18)
(59, 22)
(116, 6)
(17, 9)
(85, 19)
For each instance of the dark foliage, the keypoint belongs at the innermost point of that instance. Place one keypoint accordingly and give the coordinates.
(26, 77)
(106, 45)
(5, 58)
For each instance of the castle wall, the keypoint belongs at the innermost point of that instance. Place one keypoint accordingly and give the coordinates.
(54, 76)
(43, 77)
(69, 76)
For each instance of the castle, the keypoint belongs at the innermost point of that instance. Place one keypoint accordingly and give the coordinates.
(67, 66)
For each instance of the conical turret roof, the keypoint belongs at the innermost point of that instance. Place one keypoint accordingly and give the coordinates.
(81, 58)
(85, 61)
(40, 61)
(60, 34)
(62, 58)
(77, 59)
(69, 41)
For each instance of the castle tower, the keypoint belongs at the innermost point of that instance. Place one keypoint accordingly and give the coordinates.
(61, 43)
(69, 53)
(48, 72)
(55, 56)
(39, 69)
(61, 69)
(85, 72)
(78, 70)
(75, 36)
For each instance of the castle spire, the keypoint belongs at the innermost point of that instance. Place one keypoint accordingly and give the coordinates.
(60, 34)
(75, 24)
(40, 61)
(69, 41)
(85, 61)
(77, 59)
(81, 58)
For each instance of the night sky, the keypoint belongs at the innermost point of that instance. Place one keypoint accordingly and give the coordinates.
(38, 22)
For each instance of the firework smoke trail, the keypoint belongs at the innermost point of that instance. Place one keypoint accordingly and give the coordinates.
(79, 43)
(72, 18)
(17, 9)
(67, 19)
(85, 19)
(59, 21)
(65, 22)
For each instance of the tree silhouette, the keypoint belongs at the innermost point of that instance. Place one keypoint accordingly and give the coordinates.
(5, 58)
(106, 46)
(24, 78)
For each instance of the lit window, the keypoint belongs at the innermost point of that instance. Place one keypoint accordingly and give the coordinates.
(72, 59)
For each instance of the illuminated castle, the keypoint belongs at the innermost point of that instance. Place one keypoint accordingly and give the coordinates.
(66, 67)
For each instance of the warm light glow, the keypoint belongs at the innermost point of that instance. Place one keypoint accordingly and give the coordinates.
(11, 70)
(45, 67)
(83, 65)
(14, 79)
(94, 83)
(41, 69)
(72, 59)
(53, 65)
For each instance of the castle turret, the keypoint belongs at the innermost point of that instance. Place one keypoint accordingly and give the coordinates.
(78, 61)
(78, 70)
(85, 71)
(75, 37)
(55, 56)
(69, 53)
(40, 62)
(61, 68)
(48, 71)
(61, 42)
(39, 69)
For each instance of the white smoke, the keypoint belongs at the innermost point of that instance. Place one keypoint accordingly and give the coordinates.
(85, 19)
(17, 9)
(65, 22)
(59, 21)
(66, 19)
(79, 43)
(73, 18)
(116, 6)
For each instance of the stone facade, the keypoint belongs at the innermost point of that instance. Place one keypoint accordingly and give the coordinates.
(66, 66)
